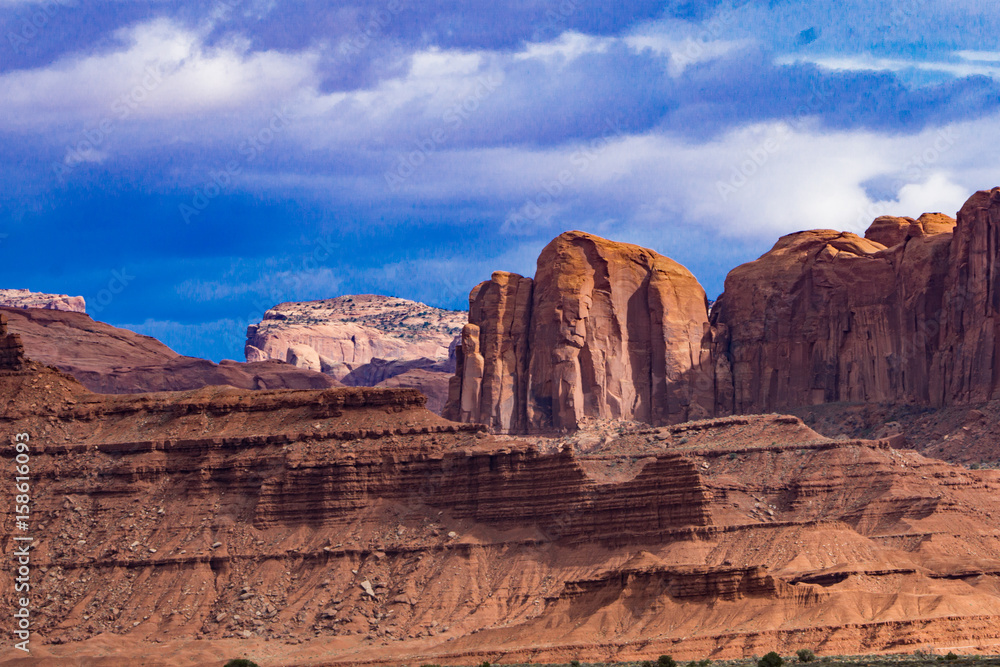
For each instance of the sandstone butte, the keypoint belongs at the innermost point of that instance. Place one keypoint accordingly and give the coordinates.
(363, 340)
(906, 315)
(605, 329)
(353, 526)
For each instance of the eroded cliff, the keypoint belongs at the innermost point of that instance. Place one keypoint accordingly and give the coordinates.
(317, 527)
(605, 329)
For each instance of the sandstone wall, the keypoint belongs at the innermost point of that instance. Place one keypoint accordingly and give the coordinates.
(619, 334)
(606, 329)
(965, 367)
(907, 314)
(827, 317)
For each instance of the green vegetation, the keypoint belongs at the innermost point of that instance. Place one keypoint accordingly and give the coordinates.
(666, 661)
(241, 662)
(915, 659)
(772, 659)
(805, 655)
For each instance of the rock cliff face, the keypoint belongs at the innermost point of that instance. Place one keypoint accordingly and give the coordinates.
(340, 337)
(906, 315)
(827, 316)
(606, 330)
(12, 356)
(968, 364)
(491, 383)
(22, 298)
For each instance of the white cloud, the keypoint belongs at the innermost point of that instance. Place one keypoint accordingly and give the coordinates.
(164, 71)
(753, 183)
(302, 283)
(979, 56)
(962, 66)
(683, 52)
(567, 47)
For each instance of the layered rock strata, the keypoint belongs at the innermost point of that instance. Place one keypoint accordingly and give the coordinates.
(351, 525)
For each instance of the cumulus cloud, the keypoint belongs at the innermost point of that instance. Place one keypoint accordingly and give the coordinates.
(163, 71)
(435, 144)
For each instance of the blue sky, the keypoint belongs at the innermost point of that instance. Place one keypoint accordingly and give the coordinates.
(186, 165)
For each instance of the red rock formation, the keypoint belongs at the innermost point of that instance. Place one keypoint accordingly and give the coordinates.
(906, 315)
(612, 331)
(619, 332)
(110, 360)
(826, 316)
(431, 381)
(11, 350)
(968, 364)
(493, 371)
(890, 231)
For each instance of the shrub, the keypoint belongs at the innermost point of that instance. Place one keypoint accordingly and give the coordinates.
(805, 655)
(574, 663)
(241, 662)
(951, 656)
(666, 661)
(772, 659)
(647, 663)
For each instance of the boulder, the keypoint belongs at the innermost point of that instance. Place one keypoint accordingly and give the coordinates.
(303, 356)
